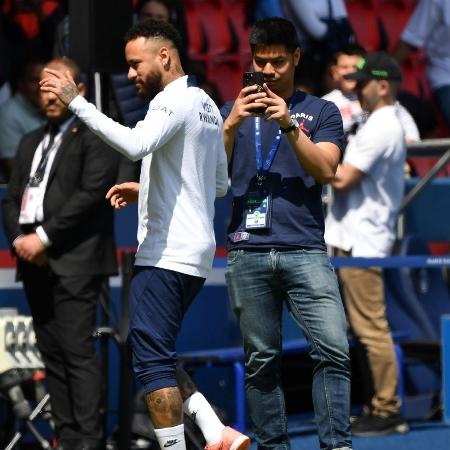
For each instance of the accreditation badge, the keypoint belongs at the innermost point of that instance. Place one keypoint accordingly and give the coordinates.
(258, 208)
(29, 205)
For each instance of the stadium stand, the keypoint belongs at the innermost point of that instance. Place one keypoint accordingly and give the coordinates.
(208, 18)
(365, 22)
(416, 298)
(394, 15)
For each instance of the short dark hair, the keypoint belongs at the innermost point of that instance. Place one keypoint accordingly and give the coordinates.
(274, 31)
(154, 29)
(73, 67)
(349, 50)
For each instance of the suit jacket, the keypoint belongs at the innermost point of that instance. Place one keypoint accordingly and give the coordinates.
(77, 218)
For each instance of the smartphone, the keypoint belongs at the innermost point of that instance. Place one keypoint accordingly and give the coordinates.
(252, 78)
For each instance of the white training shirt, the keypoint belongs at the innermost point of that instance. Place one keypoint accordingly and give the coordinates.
(184, 167)
(362, 218)
(429, 27)
(351, 112)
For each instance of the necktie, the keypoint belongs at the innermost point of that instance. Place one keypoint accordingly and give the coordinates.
(36, 179)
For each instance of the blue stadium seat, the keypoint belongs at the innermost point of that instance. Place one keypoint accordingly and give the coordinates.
(429, 285)
(130, 107)
(416, 299)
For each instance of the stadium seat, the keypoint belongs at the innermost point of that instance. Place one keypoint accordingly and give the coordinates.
(415, 78)
(415, 299)
(365, 22)
(441, 130)
(130, 107)
(394, 15)
(227, 78)
(429, 285)
(195, 34)
(235, 11)
(421, 166)
(209, 33)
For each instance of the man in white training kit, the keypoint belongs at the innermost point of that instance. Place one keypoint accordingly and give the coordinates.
(183, 168)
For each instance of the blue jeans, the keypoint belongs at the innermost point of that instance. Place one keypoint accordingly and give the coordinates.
(259, 282)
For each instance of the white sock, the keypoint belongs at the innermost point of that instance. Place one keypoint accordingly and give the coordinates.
(200, 411)
(171, 438)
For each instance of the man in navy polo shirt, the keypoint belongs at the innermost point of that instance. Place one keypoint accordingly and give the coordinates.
(279, 161)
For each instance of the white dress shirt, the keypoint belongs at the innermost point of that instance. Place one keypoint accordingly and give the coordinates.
(35, 212)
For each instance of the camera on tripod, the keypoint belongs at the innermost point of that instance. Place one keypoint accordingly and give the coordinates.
(20, 365)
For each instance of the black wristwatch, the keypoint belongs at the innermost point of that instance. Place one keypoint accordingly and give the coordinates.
(293, 124)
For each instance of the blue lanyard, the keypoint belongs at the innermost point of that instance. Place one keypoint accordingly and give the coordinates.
(263, 169)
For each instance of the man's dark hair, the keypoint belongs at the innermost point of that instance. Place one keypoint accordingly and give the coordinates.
(349, 50)
(274, 31)
(73, 67)
(154, 29)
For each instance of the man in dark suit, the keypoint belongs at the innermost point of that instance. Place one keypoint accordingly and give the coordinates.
(61, 229)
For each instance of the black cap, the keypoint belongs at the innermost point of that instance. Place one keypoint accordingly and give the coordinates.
(376, 66)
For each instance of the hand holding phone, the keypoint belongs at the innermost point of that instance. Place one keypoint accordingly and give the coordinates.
(251, 79)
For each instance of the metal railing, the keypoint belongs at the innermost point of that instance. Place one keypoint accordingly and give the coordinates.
(428, 148)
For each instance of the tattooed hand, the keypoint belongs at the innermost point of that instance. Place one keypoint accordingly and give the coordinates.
(60, 84)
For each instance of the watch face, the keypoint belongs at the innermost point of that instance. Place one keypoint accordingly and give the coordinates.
(293, 124)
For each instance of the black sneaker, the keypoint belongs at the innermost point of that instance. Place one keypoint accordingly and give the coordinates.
(372, 425)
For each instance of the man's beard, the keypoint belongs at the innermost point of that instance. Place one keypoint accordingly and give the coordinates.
(152, 86)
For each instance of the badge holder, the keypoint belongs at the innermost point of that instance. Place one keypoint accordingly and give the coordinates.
(258, 207)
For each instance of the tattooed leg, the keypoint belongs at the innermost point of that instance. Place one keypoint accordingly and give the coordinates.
(165, 407)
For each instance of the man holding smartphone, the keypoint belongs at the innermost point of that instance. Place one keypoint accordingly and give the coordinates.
(278, 162)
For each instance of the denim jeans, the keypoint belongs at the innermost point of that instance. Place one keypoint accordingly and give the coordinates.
(259, 282)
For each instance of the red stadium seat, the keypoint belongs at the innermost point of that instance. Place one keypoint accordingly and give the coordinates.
(421, 166)
(364, 19)
(209, 33)
(394, 15)
(215, 32)
(195, 35)
(235, 11)
(227, 77)
(414, 76)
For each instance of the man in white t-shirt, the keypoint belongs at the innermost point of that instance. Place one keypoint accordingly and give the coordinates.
(346, 99)
(183, 168)
(429, 27)
(368, 189)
